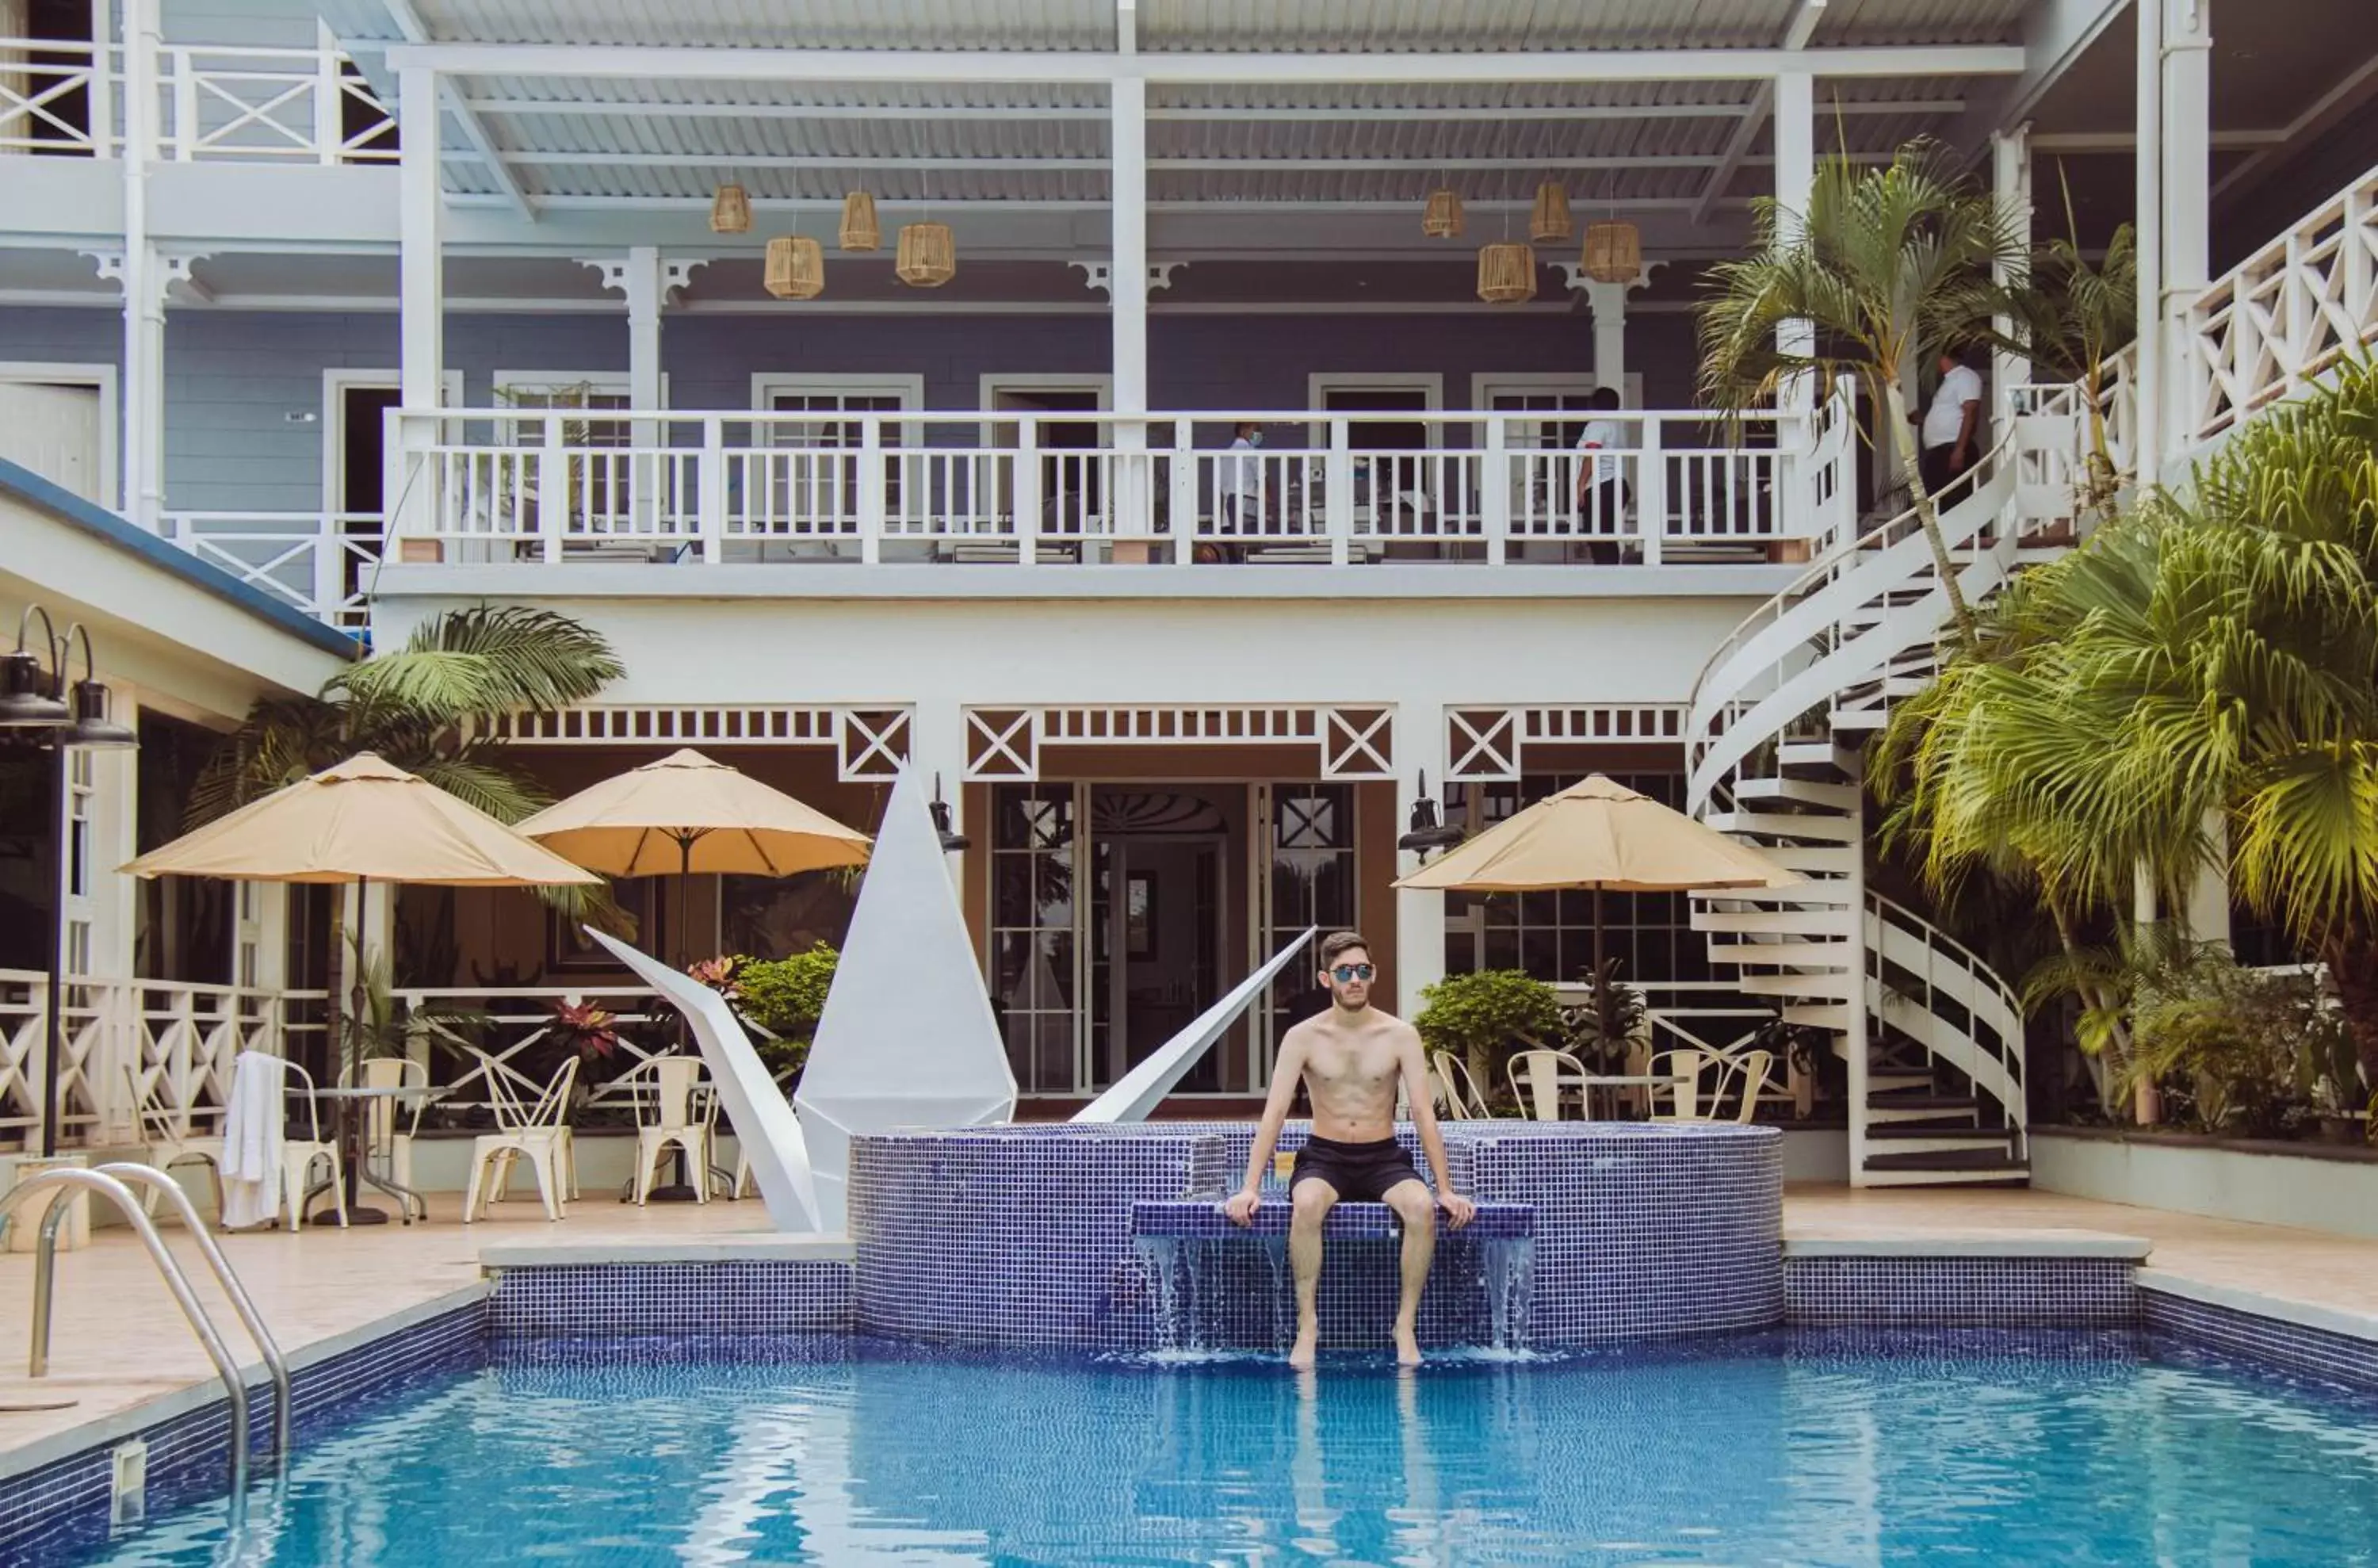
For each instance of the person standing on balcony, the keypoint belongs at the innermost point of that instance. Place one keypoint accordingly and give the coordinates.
(1351, 1059)
(1245, 504)
(1602, 490)
(1951, 431)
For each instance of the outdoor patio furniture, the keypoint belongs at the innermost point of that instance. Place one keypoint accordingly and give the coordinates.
(1538, 1078)
(1744, 1076)
(538, 1134)
(390, 1123)
(666, 1118)
(166, 1130)
(298, 1157)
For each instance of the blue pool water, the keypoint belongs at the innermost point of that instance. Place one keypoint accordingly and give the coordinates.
(1988, 1449)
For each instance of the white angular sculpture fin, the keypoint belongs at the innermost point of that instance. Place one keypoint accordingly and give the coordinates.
(765, 1124)
(1139, 1091)
(908, 1038)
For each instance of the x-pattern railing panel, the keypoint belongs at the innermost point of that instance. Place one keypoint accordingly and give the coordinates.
(39, 78)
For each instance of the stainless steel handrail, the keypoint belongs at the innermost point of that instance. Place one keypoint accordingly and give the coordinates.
(241, 1302)
(177, 1281)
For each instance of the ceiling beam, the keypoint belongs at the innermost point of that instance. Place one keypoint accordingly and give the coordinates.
(2124, 141)
(1804, 24)
(449, 93)
(972, 113)
(2056, 33)
(542, 158)
(1088, 66)
(1754, 115)
(2324, 111)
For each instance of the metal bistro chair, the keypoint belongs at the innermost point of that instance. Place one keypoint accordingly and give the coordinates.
(1539, 1076)
(667, 1118)
(1455, 1088)
(298, 1157)
(388, 1124)
(538, 1134)
(166, 1133)
(1745, 1075)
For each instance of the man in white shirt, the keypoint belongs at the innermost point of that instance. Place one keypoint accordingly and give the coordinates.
(1602, 492)
(1950, 432)
(1245, 504)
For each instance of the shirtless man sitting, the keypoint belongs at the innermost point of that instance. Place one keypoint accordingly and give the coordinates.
(1349, 1059)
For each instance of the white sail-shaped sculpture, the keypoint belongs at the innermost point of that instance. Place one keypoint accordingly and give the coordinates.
(908, 1038)
(1139, 1091)
(764, 1123)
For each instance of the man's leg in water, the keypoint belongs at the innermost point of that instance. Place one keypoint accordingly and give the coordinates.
(1309, 1204)
(1416, 1208)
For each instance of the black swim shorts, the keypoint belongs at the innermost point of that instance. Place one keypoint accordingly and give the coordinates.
(1362, 1172)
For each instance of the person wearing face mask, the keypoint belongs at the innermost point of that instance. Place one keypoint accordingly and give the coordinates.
(1245, 504)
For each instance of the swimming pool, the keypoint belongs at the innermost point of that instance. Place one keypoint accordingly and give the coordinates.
(1803, 1447)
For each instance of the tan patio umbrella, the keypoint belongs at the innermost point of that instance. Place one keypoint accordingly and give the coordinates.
(362, 821)
(1599, 834)
(686, 815)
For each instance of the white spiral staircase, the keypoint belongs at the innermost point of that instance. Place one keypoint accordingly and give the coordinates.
(1779, 718)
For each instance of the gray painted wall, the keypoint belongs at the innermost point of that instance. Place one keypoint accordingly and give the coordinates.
(239, 384)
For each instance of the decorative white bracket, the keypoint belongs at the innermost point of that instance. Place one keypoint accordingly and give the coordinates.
(1098, 275)
(1574, 279)
(172, 268)
(675, 275)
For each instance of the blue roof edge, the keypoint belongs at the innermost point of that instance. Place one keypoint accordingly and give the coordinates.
(68, 507)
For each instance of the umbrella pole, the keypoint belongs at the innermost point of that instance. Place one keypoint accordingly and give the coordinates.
(680, 1190)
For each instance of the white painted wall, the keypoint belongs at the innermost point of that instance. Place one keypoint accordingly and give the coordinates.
(2339, 1196)
(1127, 651)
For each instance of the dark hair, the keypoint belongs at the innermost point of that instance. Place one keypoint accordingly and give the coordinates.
(1338, 942)
(1606, 397)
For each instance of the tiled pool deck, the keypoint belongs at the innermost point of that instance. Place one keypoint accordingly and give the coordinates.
(123, 1355)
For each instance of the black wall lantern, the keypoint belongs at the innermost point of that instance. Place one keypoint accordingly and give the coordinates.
(952, 840)
(1427, 833)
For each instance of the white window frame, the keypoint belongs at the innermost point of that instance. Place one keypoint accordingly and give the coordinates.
(337, 381)
(767, 384)
(991, 383)
(1320, 383)
(104, 379)
(1485, 384)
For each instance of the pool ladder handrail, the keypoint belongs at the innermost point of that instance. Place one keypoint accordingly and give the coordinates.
(108, 1181)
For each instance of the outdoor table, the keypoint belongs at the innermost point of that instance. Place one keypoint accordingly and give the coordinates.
(346, 1103)
(1592, 1081)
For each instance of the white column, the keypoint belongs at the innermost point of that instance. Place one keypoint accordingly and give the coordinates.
(2147, 439)
(1420, 915)
(2208, 890)
(2187, 196)
(144, 303)
(1608, 302)
(421, 225)
(641, 282)
(937, 750)
(2010, 182)
(1127, 267)
(1795, 174)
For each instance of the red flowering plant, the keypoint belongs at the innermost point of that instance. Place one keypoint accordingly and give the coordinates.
(721, 973)
(588, 1028)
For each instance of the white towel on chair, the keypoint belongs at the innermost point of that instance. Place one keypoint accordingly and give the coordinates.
(251, 1163)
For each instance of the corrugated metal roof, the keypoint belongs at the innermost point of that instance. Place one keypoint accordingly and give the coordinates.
(811, 24)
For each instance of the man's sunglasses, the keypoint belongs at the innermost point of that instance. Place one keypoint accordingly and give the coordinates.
(1344, 973)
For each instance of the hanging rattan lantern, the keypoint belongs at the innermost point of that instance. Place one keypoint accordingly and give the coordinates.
(1549, 220)
(731, 211)
(928, 256)
(860, 229)
(1614, 252)
(795, 266)
(1506, 272)
(1442, 219)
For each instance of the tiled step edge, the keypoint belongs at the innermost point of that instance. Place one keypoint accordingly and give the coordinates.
(2296, 1336)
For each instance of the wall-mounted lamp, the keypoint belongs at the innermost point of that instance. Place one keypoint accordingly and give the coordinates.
(1427, 833)
(952, 840)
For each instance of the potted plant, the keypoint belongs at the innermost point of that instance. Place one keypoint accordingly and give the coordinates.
(1613, 1022)
(780, 999)
(1485, 1017)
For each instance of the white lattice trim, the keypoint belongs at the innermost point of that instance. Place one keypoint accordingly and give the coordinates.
(1353, 740)
(868, 743)
(1490, 745)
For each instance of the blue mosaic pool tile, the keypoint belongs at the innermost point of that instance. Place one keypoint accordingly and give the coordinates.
(731, 1296)
(64, 1504)
(2059, 1292)
(2293, 1347)
(1203, 1219)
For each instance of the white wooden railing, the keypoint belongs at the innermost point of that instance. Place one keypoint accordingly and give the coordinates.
(215, 103)
(178, 1038)
(321, 564)
(481, 486)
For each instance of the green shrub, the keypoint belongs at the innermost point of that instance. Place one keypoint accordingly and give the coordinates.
(2233, 1043)
(1485, 1017)
(786, 998)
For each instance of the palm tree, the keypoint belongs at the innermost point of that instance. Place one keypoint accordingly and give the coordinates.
(2074, 319)
(1888, 266)
(2212, 655)
(431, 707)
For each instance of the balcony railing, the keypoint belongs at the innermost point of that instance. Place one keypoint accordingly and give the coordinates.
(215, 103)
(489, 486)
(322, 565)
